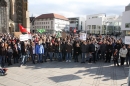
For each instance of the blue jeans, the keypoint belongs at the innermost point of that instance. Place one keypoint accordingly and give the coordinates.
(33, 58)
(23, 59)
(40, 58)
(128, 60)
(56, 55)
(51, 55)
(2, 61)
(83, 57)
(68, 56)
(16, 59)
(60, 56)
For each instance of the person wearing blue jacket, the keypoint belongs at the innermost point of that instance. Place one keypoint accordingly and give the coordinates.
(39, 50)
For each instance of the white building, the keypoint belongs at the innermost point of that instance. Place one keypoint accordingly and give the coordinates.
(126, 20)
(51, 22)
(77, 23)
(102, 24)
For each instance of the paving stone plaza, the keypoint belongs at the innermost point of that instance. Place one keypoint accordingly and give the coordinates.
(66, 74)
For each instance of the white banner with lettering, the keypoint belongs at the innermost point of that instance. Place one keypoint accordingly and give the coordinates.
(83, 36)
(127, 39)
(25, 37)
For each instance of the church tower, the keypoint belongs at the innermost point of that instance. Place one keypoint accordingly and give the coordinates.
(22, 13)
(13, 13)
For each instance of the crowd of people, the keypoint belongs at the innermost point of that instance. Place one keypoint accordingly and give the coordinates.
(43, 48)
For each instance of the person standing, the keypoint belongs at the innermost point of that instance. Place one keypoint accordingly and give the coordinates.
(39, 50)
(123, 52)
(115, 57)
(83, 51)
(60, 51)
(109, 52)
(76, 52)
(15, 54)
(23, 52)
(32, 52)
(103, 50)
(128, 56)
(51, 51)
(68, 51)
(92, 50)
(2, 54)
(63, 50)
(9, 55)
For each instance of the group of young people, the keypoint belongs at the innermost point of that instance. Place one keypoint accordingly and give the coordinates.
(43, 48)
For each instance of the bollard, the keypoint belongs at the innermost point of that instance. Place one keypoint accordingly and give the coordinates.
(129, 77)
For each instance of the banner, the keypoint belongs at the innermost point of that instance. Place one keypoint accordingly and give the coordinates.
(127, 39)
(83, 36)
(25, 37)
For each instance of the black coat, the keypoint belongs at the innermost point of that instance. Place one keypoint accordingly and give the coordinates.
(77, 50)
(91, 48)
(83, 48)
(118, 46)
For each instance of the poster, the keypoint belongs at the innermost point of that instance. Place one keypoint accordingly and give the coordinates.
(83, 36)
(64, 35)
(25, 37)
(127, 39)
(17, 34)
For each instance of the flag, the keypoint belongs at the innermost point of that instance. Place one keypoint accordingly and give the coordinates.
(41, 30)
(23, 30)
(58, 35)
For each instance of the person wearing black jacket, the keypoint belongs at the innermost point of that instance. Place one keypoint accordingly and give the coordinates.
(83, 51)
(76, 52)
(23, 52)
(103, 48)
(109, 52)
(2, 55)
(128, 56)
(92, 51)
(51, 51)
(63, 50)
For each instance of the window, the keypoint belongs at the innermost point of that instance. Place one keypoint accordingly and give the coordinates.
(127, 25)
(48, 26)
(46, 22)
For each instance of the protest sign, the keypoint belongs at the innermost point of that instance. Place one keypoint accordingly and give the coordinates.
(127, 39)
(25, 37)
(83, 36)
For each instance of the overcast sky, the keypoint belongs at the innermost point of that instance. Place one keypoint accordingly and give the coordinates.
(77, 8)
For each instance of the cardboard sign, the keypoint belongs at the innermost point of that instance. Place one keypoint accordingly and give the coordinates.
(127, 39)
(83, 36)
(17, 34)
(25, 37)
(64, 35)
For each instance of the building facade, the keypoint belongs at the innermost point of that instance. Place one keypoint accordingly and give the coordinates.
(125, 27)
(77, 23)
(12, 13)
(102, 24)
(51, 22)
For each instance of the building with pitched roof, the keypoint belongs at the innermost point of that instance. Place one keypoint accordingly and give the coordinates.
(51, 22)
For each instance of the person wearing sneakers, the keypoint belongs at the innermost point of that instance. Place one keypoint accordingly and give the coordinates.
(68, 51)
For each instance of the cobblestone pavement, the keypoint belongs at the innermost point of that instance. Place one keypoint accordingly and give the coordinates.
(65, 74)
